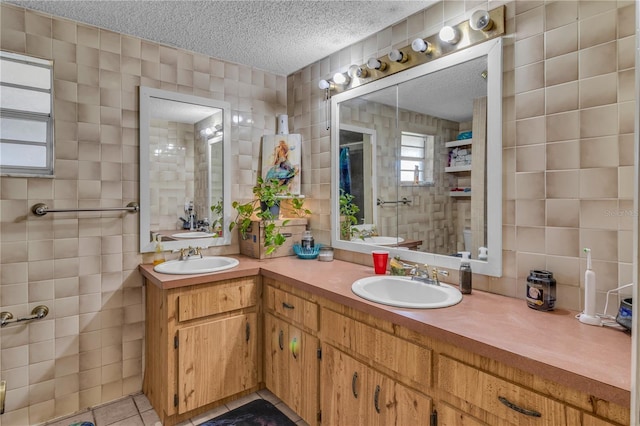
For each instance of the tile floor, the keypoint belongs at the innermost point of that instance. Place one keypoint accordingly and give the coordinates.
(136, 410)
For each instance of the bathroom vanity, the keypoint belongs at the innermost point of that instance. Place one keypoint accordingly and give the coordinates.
(295, 327)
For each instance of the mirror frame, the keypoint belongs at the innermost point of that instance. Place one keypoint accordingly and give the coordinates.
(493, 50)
(147, 94)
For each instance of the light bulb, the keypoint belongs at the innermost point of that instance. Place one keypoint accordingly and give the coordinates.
(356, 71)
(449, 35)
(420, 45)
(340, 78)
(374, 64)
(324, 84)
(208, 131)
(397, 56)
(480, 21)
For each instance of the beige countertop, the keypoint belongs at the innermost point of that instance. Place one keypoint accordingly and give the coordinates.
(553, 345)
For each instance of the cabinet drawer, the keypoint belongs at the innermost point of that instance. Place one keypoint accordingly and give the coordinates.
(211, 299)
(503, 399)
(297, 310)
(406, 361)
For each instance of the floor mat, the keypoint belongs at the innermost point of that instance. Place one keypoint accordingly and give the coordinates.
(255, 413)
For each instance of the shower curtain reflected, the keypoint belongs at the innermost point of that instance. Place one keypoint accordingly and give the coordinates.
(345, 170)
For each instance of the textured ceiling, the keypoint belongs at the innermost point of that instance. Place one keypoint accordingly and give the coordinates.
(277, 36)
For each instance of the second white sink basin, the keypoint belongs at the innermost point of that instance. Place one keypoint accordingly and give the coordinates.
(406, 293)
(194, 234)
(379, 240)
(197, 265)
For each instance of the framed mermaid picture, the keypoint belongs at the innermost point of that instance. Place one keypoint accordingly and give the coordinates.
(281, 157)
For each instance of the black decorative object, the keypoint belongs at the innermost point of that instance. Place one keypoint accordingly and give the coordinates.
(255, 413)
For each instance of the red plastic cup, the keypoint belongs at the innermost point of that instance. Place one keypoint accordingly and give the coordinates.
(380, 258)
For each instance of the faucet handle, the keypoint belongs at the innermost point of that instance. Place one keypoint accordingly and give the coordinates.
(437, 272)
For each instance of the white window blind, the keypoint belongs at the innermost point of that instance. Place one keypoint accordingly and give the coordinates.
(26, 115)
(416, 158)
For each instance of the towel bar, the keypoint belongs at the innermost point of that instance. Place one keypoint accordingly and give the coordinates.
(41, 209)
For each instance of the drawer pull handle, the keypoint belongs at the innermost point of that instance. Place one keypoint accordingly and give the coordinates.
(287, 305)
(376, 397)
(281, 340)
(509, 404)
(354, 382)
(248, 331)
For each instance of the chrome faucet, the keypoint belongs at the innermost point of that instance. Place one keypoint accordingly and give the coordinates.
(421, 273)
(186, 253)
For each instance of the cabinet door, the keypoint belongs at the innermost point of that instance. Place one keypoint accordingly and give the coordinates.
(343, 390)
(216, 360)
(395, 404)
(291, 367)
(303, 363)
(276, 373)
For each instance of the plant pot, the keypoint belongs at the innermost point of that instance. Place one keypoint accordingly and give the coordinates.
(275, 209)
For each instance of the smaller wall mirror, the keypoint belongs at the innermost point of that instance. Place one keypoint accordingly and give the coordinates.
(184, 170)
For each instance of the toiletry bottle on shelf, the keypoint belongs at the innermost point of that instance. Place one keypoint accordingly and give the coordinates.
(307, 240)
(158, 257)
(465, 273)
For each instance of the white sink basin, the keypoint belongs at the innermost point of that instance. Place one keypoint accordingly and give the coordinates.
(190, 235)
(406, 293)
(197, 265)
(378, 240)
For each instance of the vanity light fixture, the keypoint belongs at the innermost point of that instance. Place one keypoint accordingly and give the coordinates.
(422, 46)
(375, 64)
(449, 34)
(397, 56)
(356, 71)
(481, 21)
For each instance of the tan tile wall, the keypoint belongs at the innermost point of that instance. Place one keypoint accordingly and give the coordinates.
(83, 266)
(568, 136)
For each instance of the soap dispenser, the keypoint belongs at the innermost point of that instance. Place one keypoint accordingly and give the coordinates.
(465, 273)
(158, 257)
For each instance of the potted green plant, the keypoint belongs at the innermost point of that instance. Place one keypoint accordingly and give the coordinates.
(265, 206)
(216, 225)
(298, 208)
(348, 211)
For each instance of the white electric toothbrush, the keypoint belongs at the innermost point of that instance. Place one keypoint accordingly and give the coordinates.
(589, 314)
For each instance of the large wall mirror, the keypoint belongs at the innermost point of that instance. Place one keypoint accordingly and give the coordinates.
(419, 153)
(184, 170)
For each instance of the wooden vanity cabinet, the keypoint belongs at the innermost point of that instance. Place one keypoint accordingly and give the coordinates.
(202, 345)
(291, 352)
